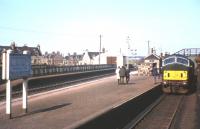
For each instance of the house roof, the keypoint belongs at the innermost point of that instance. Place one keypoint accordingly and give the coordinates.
(35, 51)
(78, 57)
(152, 57)
(93, 54)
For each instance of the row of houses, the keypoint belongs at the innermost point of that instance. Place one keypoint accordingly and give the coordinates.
(57, 58)
(86, 58)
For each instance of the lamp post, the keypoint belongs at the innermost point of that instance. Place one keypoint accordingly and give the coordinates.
(100, 51)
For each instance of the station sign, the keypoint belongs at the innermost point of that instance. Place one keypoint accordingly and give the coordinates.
(16, 66)
(20, 66)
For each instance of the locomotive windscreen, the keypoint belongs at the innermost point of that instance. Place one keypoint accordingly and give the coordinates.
(169, 61)
(182, 61)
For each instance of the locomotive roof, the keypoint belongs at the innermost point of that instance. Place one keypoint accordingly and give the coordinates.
(182, 56)
(176, 55)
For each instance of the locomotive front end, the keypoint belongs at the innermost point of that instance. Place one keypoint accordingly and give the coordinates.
(176, 74)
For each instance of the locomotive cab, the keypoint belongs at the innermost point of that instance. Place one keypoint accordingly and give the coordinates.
(177, 74)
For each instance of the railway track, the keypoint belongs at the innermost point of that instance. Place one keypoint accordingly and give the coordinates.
(119, 116)
(17, 91)
(159, 115)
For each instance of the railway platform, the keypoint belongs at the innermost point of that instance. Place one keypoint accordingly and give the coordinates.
(69, 107)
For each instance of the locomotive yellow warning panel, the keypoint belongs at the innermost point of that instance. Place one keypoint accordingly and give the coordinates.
(175, 75)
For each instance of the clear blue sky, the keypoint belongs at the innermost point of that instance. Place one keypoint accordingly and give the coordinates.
(75, 25)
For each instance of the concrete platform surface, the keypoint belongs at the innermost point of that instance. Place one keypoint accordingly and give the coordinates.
(69, 107)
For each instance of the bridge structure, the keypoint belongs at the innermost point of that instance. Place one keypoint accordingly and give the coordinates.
(191, 53)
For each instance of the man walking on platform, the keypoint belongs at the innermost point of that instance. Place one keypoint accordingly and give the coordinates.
(154, 72)
(122, 73)
(127, 75)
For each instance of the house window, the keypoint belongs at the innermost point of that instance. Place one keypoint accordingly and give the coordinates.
(151, 61)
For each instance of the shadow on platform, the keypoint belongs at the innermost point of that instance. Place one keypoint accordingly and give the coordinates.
(130, 83)
(126, 84)
(43, 110)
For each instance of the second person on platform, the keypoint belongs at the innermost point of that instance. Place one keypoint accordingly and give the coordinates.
(122, 73)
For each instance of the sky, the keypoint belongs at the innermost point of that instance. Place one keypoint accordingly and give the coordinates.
(76, 25)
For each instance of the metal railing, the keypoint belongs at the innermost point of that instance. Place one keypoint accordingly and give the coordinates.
(41, 70)
(189, 52)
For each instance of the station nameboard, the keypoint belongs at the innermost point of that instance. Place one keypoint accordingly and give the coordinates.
(19, 66)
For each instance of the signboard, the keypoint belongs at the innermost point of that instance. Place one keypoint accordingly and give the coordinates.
(19, 66)
(15, 66)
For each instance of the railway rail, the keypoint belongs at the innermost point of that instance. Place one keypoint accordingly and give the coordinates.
(41, 84)
(152, 110)
(119, 116)
(160, 115)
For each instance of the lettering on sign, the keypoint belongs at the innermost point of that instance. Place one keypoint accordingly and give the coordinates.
(20, 66)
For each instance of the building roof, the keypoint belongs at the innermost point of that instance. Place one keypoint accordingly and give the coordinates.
(78, 57)
(152, 57)
(93, 54)
(35, 51)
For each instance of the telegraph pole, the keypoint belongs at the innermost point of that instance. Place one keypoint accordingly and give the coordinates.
(100, 51)
(148, 48)
(127, 58)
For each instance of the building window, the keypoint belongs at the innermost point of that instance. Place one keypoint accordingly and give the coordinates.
(151, 61)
